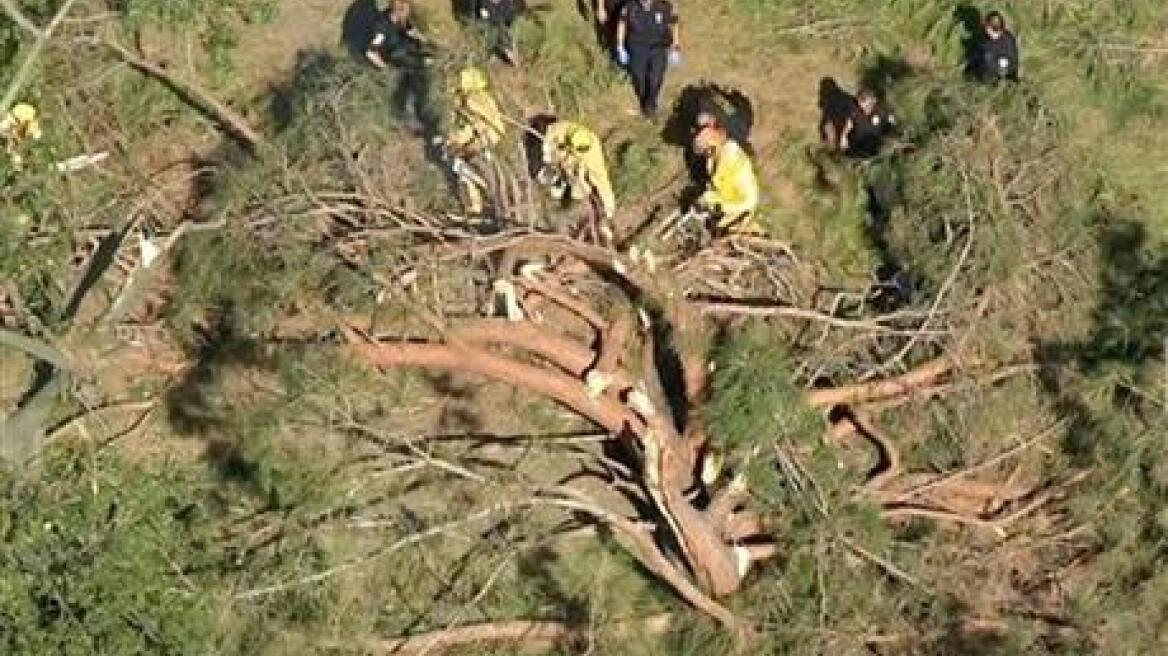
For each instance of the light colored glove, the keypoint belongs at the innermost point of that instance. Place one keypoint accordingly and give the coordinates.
(674, 57)
(622, 56)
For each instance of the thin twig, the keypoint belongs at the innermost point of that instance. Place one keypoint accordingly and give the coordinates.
(953, 476)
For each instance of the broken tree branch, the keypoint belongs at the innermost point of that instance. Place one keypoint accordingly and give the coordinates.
(531, 634)
(232, 122)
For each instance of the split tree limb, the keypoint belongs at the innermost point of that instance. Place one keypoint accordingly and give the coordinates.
(903, 385)
(605, 411)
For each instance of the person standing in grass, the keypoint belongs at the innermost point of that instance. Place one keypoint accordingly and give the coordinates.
(476, 129)
(397, 42)
(500, 17)
(998, 56)
(607, 13)
(648, 41)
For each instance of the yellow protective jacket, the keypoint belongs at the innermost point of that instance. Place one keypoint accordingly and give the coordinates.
(478, 123)
(733, 187)
(577, 151)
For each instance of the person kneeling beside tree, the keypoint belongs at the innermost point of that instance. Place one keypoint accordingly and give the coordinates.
(477, 127)
(574, 168)
(870, 122)
(731, 195)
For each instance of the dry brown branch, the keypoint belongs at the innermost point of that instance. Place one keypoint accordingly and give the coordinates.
(889, 466)
(875, 325)
(613, 342)
(962, 473)
(924, 376)
(605, 411)
(563, 352)
(231, 121)
(526, 634)
(563, 299)
(646, 551)
(699, 538)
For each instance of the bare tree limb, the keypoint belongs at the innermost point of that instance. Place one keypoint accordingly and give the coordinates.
(529, 634)
(38, 349)
(18, 17)
(232, 122)
(748, 309)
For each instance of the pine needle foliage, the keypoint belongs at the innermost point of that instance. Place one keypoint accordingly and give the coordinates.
(754, 398)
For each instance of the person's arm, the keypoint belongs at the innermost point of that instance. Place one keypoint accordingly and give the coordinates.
(891, 127)
(846, 133)
(1015, 57)
(675, 28)
(601, 11)
(621, 31)
(830, 133)
(372, 53)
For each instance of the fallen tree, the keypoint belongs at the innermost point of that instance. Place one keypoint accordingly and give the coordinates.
(644, 383)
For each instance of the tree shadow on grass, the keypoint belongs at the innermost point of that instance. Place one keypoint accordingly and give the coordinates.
(316, 71)
(970, 19)
(1131, 332)
(199, 407)
(883, 73)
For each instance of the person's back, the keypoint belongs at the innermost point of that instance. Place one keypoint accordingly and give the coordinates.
(478, 121)
(484, 111)
(648, 24)
(732, 177)
(395, 38)
(867, 126)
(577, 151)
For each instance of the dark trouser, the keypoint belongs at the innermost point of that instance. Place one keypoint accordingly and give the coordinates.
(502, 40)
(413, 92)
(647, 67)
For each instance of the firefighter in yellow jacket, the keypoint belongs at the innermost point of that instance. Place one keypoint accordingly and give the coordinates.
(573, 163)
(732, 191)
(476, 129)
(18, 127)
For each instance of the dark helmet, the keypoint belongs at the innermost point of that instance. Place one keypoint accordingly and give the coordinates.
(995, 20)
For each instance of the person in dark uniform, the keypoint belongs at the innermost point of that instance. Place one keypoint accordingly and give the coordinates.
(836, 106)
(397, 42)
(998, 55)
(500, 17)
(869, 122)
(648, 41)
(607, 13)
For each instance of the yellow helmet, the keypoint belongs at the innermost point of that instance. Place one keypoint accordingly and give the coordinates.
(578, 140)
(472, 79)
(24, 113)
